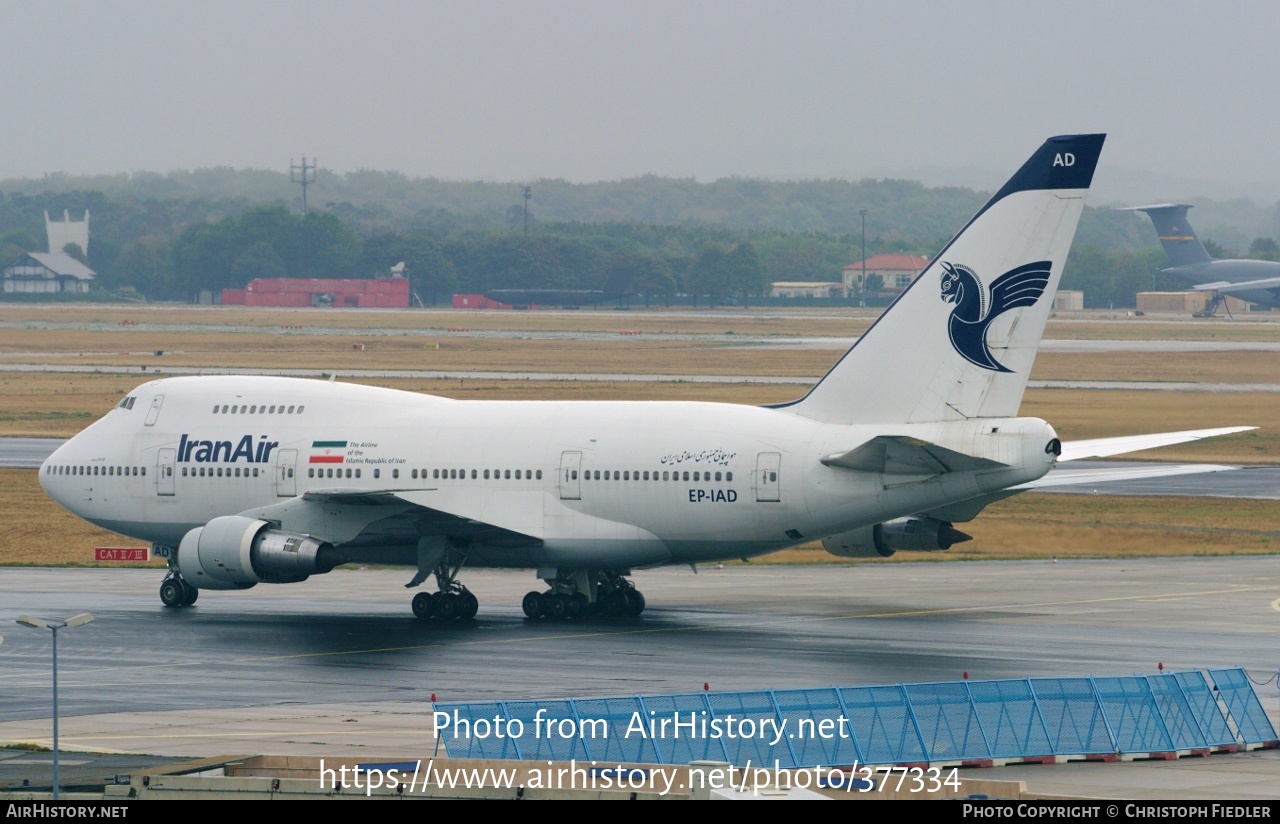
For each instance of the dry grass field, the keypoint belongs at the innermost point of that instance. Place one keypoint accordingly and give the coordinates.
(34, 530)
(783, 322)
(232, 350)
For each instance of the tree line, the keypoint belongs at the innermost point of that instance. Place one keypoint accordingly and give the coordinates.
(173, 247)
(654, 262)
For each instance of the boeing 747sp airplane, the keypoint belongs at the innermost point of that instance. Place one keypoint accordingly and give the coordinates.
(247, 480)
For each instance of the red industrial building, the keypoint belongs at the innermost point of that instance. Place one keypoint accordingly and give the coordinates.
(380, 293)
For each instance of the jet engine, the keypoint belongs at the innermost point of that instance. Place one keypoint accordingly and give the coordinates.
(235, 552)
(914, 534)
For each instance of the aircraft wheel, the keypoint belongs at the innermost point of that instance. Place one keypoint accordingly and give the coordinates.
(634, 602)
(424, 605)
(611, 603)
(575, 605)
(189, 594)
(557, 606)
(534, 605)
(172, 592)
(468, 605)
(447, 606)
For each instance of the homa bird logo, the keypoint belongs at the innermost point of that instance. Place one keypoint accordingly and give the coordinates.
(975, 309)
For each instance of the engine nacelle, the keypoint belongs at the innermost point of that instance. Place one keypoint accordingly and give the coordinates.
(913, 534)
(235, 552)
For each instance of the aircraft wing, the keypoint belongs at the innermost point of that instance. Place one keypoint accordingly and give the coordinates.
(501, 518)
(1102, 447)
(396, 516)
(903, 455)
(1227, 287)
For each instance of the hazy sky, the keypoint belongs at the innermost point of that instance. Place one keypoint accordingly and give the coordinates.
(610, 89)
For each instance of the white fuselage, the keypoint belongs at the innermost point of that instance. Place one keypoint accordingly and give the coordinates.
(591, 484)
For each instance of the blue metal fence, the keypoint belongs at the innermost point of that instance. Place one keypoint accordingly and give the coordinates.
(944, 722)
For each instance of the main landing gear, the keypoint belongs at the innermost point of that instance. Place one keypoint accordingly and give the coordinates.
(175, 592)
(446, 606)
(579, 594)
(453, 601)
(1215, 300)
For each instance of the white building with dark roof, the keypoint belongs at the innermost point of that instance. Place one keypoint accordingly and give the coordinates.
(55, 270)
(47, 272)
(896, 272)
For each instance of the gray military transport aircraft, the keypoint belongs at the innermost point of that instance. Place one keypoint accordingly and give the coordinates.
(242, 480)
(1255, 281)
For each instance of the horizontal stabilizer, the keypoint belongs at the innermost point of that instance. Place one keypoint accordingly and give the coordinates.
(1070, 475)
(1102, 447)
(903, 455)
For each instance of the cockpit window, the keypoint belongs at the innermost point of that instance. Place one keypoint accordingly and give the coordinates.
(126, 403)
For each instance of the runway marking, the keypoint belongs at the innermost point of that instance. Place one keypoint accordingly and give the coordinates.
(48, 744)
(1276, 605)
(62, 738)
(739, 622)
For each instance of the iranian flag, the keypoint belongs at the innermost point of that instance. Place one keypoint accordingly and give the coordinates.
(328, 452)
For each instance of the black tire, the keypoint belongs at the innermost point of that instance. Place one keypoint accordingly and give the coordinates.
(534, 605)
(634, 602)
(447, 606)
(574, 605)
(172, 592)
(611, 603)
(424, 605)
(189, 594)
(557, 606)
(468, 607)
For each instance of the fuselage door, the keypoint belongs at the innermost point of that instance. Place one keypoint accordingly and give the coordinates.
(570, 464)
(164, 471)
(154, 411)
(286, 461)
(768, 485)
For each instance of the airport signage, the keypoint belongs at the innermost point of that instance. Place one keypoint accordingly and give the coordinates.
(122, 554)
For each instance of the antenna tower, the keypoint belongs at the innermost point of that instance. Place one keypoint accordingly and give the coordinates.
(304, 176)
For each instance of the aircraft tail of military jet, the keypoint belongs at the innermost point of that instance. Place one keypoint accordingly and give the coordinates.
(1176, 235)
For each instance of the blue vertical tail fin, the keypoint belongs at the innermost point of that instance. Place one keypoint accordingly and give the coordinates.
(1176, 235)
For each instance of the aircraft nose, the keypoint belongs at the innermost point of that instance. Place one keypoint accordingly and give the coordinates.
(48, 468)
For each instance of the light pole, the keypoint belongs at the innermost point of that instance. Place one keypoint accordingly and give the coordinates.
(40, 623)
(862, 293)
